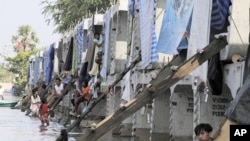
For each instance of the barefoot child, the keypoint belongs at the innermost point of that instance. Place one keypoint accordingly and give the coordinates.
(43, 113)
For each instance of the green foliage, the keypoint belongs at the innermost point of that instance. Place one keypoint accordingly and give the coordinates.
(67, 13)
(18, 64)
(5, 75)
(25, 39)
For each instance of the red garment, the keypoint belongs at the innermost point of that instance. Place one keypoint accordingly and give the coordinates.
(43, 110)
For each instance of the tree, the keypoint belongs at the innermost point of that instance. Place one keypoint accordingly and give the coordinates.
(24, 43)
(18, 65)
(5, 75)
(25, 39)
(67, 13)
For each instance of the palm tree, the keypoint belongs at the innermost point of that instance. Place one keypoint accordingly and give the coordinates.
(25, 39)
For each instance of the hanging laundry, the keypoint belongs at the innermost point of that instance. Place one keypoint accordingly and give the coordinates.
(175, 21)
(183, 45)
(103, 72)
(90, 52)
(215, 75)
(127, 90)
(60, 56)
(36, 69)
(75, 54)
(83, 75)
(48, 63)
(80, 42)
(131, 8)
(69, 58)
(200, 23)
(60, 50)
(147, 30)
(219, 15)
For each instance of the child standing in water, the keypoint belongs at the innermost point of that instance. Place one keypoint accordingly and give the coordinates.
(43, 113)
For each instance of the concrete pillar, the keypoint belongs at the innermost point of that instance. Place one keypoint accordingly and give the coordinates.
(181, 113)
(160, 117)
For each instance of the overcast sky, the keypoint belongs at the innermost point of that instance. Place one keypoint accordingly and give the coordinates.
(14, 13)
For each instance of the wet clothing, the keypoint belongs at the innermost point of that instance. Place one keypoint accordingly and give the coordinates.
(43, 112)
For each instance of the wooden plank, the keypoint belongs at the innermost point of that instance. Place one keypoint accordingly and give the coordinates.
(177, 60)
(160, 85)
(95, 102)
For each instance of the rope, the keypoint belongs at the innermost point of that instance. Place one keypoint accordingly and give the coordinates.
(196, 111)
(237, 30)
(152, 119)
(171, 124)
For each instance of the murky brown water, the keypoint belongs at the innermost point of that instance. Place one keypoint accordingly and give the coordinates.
(15, 126)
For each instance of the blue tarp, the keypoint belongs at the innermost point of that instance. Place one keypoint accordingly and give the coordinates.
(184, 41)
(48, 63)
(36, 69)
(131, 8)
(80, 42)
(176, 18)
(104, 69)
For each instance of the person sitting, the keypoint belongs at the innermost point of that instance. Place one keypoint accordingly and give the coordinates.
(56, 92)
(76, 94)
(42, 91)
(202, 132)
(85, 96)
(35, 102)
(43, 113)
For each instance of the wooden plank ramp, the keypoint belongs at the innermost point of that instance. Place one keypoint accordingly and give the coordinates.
(92, 103)
(164, 80)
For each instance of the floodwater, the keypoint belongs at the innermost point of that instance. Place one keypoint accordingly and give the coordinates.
(15, 126)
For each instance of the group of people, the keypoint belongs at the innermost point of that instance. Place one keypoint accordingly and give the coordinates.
(41, 100)
(38, 107)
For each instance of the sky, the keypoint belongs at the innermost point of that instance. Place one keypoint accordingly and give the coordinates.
(14, 13)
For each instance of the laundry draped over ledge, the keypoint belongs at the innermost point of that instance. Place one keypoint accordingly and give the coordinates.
(147, 30)
(175, 21)
(104, 68)
(48, 63)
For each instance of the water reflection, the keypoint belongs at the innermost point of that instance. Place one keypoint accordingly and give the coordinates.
(15, 126)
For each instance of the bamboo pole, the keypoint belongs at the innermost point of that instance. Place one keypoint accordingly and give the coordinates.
(93, 103)
(156, 87)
